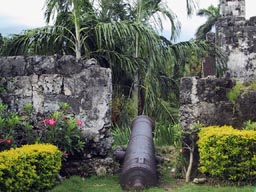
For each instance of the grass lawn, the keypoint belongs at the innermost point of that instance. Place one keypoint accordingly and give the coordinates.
(111, 184)
(204, 188)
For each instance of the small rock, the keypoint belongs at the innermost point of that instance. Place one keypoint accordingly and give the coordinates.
(199, 180)
(100, 171)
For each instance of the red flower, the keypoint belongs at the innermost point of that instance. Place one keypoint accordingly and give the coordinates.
(51, 122)
(9, 141)
(1, 140)
(45, 121)
(78, 122)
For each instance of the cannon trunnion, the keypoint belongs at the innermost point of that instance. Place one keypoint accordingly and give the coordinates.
(139, 166)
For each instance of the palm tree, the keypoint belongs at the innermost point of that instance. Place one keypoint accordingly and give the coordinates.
(143, 12)
(74, 9)
(1, 43)
(213, 14)
(124, 39)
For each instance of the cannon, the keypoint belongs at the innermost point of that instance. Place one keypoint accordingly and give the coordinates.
(139, 168)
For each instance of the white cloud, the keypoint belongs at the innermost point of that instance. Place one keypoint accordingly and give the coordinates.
(30, 14)
(250, 8)
(190, 24)
(23, 12)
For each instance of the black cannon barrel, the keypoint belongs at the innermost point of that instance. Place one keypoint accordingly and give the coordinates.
(139, 166)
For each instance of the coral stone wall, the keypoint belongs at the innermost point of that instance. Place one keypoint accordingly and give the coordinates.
(204, 101)
(230, 8)
(45, 82)
(237, 37)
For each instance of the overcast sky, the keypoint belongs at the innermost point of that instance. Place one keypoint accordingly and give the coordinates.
(18, 15)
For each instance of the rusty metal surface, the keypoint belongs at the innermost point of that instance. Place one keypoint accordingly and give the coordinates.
(139, 167)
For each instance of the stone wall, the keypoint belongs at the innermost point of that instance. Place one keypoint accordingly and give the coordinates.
(237, 37)
(231, 8)
(45, 82)
(204, 101)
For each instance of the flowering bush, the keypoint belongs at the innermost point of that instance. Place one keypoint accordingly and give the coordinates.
(7, 124)
(63, 131)
(13, 129)
(60, 129)
(5, 143)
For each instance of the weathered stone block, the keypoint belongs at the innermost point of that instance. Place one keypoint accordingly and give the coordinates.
(212, 106)
(237, 37)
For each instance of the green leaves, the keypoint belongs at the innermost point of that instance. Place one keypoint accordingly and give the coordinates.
(63, 131)
(227, 153)
(213, 14)
(29, 168)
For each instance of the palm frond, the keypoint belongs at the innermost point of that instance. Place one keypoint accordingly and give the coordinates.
(45, 40)
(191, 6)
(213, 14)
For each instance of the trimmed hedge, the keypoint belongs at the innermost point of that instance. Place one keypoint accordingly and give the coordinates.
(30, 168)
(227, 153)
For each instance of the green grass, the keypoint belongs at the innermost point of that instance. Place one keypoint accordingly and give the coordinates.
(94, 184)
(204, 188)
(111, 184)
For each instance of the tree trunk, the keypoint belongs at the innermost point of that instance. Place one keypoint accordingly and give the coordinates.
(140, 97)
(191, 158)
(78, 43)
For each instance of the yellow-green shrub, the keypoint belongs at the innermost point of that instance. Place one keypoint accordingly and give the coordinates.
(29, 168)
(227, 153)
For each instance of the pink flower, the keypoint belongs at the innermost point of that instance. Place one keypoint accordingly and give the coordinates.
(45, 121)
(1, 140)
(9, 141)
(51, 122)
(78, 122)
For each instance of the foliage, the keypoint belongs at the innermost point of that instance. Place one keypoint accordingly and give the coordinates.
(60, 129)
(167, 168)
(123, 110)
(167, 134)
(2, 89)
(14, 129)
(29, 168)
(239, 89)
(213, 14)
(63, 131)
(249, 125)
(121, 135)
(228, 153)
(251, 85)
(235, 92)
(2, 45)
